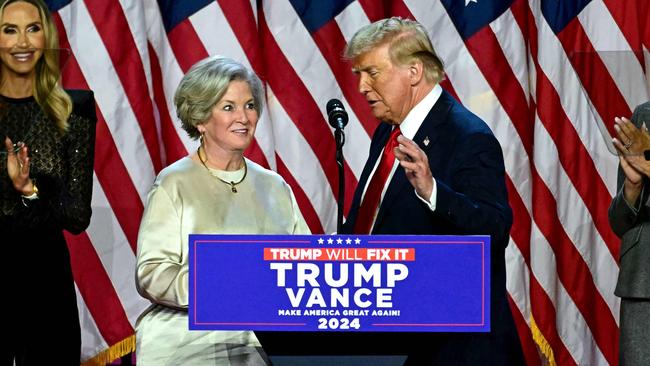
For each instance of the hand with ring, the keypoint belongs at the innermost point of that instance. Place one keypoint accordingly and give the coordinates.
(630, 139)
(637, 141)
(18, 164)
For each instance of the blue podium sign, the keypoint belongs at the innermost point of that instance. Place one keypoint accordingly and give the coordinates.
(340, 283)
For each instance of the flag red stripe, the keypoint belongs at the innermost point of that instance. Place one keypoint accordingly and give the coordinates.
(116, 183)
(574, 273)
(583, 300)
(540, 303)
(114, 30)
(644, 8)
(241, 19)
(254, 152)
(374, 10)
(109, 167)
(521, 221)
(519, 9)
(97, 290)
(239, 15)
(525, 336)
(186, 45)
(331, 44)
(493, 63)
(631, 18)
(172, 144)
(541, 306)
(594, 76)
(303, 110)
(520, 234)
(306, 208)
(543, 311)
(446, 84)
(574, 157)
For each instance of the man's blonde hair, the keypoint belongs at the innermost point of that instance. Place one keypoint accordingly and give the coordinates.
(408, 41)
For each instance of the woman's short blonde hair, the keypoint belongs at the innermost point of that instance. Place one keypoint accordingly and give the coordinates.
(205, 84)
(408, 41)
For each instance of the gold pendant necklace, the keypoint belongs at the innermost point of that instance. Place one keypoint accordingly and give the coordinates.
(232, 184)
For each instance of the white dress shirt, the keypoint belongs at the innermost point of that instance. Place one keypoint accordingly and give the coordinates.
(409, 128)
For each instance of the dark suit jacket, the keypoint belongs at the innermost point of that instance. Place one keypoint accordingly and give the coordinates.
(467, 163)
(633, 227)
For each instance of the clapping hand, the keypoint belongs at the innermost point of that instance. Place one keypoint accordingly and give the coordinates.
(630, 139)
(18, 166)
(631, 143)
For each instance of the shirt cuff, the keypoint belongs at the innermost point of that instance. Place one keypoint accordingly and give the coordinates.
(32, 196)
(630, 205)
(434, 193)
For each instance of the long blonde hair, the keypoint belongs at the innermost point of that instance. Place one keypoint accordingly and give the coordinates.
(48, 93)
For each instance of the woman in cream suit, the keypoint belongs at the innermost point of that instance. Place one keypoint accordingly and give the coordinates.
(215, 190)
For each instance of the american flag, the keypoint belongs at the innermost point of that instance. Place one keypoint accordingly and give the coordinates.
(548, 76)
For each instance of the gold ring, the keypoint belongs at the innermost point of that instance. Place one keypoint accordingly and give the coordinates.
(628, 145)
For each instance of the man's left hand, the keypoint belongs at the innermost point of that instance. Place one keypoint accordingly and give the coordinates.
(416, 165)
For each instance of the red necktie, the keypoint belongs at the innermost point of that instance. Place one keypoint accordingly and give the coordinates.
(370, 201)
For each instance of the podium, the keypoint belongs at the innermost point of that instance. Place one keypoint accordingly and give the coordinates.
(344, 300)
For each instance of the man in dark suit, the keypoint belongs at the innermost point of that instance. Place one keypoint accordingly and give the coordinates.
(444, 174)
(629, 217)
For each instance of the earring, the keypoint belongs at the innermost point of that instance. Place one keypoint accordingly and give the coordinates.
(202, 138)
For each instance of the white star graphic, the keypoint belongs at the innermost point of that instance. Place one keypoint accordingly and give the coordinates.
(357, 241)
(320, 240)
(348, 241)
(330, 241)
(339, 241)
(470, 1)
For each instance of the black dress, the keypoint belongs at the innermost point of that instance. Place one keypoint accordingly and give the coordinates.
(40, 303)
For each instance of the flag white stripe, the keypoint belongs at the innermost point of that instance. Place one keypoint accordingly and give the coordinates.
(302, 165)
(575, 218)
(133, 12)
(92, 340)
(169, 67)
(309, 64)
(109, 94)
(571, 326)
(518, 280)
(351, 19)
(115, 254)
(512, 42)
(615, 52)
(576, 104)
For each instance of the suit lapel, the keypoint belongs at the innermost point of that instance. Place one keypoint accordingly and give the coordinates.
(428, 131)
